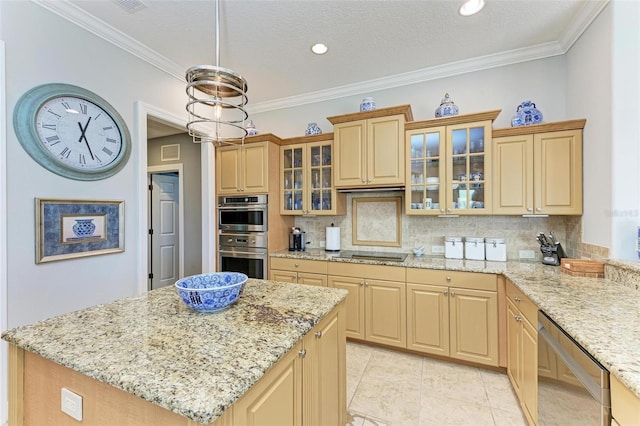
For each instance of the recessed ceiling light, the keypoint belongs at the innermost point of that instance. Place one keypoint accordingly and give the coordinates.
(471, 7)
(319, 48)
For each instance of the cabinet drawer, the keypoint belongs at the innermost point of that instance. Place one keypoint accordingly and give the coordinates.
(522, 302)
(381, 272)
(471, 280)
(299, 265)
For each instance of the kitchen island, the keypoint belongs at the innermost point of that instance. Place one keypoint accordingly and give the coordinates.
(141, 359)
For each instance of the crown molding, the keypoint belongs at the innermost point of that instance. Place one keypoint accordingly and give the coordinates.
(583, 19)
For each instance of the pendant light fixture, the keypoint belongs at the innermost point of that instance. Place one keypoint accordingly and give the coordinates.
(217, 99)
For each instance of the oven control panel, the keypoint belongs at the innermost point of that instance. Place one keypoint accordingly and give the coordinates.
(252, 239)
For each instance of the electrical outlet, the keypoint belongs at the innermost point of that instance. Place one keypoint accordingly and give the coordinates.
(527, 254)
(71, 404)
(322, 244)
(437, 249)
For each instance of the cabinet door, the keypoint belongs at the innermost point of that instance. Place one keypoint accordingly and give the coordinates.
(350, 150)
(322, 194)
(529, 384)
(428, 319)
(312, 279)
(474, 325)
(558, 167)
(468, 168)
(255, 168)
(425, 171)
(385, 150)
(292, 161)
(228, 170)
(513, 175)
(286, 276)
(276, 399)
(514, 345)
(385, 312)
(354, 304)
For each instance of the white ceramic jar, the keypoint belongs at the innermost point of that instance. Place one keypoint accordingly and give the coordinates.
(496, 249)
(474, 248)
(453, 248)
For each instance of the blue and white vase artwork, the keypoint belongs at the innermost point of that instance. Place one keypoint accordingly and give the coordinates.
(83, 228)
(251, 129)
(526, 114)
(367, 104)
(313, 129)
(447, 107)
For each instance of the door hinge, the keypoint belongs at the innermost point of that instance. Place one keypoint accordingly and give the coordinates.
(150, 187)
(150, 231)
(151, 276)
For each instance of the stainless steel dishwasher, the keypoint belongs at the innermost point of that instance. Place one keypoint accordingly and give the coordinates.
(573, 388)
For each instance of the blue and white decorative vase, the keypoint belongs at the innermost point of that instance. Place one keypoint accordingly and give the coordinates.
(251, 129)
(447, 107)
(84, 227)
(526, 114)
(367, 104)
(313, 129)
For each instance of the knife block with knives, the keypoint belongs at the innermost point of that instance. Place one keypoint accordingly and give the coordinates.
(551, 249)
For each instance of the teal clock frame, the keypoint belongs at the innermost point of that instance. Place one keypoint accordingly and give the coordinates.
(24, 124)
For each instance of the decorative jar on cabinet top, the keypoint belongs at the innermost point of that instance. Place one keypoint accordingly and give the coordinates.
(526, 114)
(447, 107)
(251, 129)
(367, 104)
(313, 129)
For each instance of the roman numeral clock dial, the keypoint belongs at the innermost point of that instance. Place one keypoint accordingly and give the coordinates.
(72, 132)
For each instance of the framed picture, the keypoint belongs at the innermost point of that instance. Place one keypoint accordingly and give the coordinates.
(67, 229)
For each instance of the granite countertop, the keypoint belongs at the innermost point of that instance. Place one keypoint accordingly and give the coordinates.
(194, 364)
(603, 315)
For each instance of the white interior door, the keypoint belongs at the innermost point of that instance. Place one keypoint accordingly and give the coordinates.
(165, 238)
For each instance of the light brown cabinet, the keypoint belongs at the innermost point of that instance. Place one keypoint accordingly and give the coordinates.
(376, 309)
(369, 147)
(453, 314)
(449, 165)
(625, 405)
(300, 271)
(522, 350)
(538, 169)
(306, 177)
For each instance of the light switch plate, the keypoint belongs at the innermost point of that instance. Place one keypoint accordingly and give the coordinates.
(71, 404)
(527, 254)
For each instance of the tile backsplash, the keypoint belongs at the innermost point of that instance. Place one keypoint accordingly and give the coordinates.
(519, 232)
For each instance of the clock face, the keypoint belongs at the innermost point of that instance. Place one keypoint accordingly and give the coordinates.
(78, 133)
(71, 131)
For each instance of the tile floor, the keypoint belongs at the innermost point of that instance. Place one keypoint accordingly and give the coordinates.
(385, 387)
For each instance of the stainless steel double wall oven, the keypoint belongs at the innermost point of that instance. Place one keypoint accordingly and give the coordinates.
(242, 234)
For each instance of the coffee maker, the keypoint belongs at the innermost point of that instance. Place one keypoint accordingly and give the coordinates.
(296, 239)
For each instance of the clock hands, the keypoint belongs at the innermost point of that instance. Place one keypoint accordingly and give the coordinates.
(83, 136)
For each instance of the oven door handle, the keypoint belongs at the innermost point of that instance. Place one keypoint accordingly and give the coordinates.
(592, 386)
(244, 253)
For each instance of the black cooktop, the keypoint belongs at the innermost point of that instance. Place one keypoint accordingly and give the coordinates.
(373, 255)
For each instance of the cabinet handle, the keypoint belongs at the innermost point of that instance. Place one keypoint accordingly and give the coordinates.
(318, 334)
(446, 293)
(517, 318)
(453, 294)
(448, 279)
(517, 299)
(302, 353)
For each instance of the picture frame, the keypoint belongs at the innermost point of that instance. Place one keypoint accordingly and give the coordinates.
(69, 229)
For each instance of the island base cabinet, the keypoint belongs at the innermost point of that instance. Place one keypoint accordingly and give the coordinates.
(625, 405)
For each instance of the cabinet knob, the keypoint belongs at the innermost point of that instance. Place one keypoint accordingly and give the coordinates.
(361, 284)
(368, 180)
(318, 334)
(364, 181)
(517, 318)
(366, 284)
(445, 292)
(517, 299)
(538, 209)
(453, 294)
(529, 209)
(296, 265)
(448, 279)
(302, 353)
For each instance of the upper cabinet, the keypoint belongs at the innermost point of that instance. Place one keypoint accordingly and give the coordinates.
(244, 169)
(537, 169)
(449, 165)
(306, 177)
(369, 147)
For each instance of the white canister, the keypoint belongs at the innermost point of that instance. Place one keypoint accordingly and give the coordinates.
(474, 248)
(496, 249)
(453, 248)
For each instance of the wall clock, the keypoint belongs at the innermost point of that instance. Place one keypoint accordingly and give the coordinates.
(72, 132)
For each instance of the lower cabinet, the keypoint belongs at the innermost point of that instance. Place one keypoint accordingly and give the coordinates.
(300, 271)
(522, 350)
(306, 387)
(625, 405)
(376, 309)
(453, 314)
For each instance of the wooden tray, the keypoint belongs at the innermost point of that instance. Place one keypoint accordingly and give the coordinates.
(582, 268)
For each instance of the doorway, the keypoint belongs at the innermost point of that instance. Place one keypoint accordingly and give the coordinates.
(166, 253)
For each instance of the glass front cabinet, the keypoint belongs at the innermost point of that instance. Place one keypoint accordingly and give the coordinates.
(449, 165)
(306, 173)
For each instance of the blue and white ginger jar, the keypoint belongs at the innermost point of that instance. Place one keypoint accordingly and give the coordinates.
(313, 129)
(367, 104)
(447, 107)
(83, 227)
(251, 129)
(526, 114)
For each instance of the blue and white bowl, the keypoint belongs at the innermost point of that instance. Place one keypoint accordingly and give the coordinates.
(211, 292)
